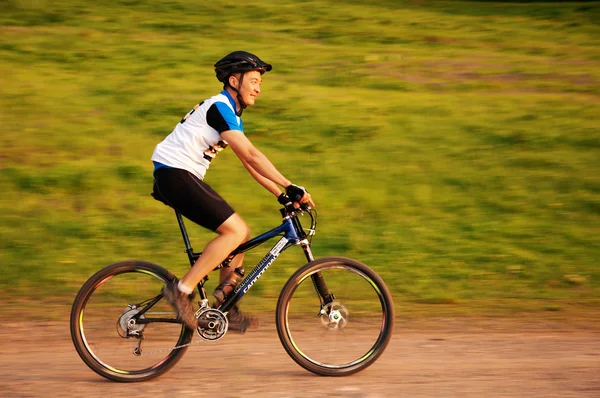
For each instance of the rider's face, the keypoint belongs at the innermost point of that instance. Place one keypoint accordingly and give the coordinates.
(250, 86)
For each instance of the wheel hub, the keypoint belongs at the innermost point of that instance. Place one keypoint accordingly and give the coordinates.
(127, 325)
(334, 315)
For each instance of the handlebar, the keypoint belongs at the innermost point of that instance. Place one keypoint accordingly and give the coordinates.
(291, 211)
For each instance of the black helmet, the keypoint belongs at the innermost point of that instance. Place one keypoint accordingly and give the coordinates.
(239, 61)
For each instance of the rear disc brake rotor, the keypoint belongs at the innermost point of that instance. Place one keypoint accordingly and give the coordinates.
(127, 325)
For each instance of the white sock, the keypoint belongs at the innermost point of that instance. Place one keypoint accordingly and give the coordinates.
(185, 289)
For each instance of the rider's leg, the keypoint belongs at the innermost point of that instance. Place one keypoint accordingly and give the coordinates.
(235, 263)
(232, 233)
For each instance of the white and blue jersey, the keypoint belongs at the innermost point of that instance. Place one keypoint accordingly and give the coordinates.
(196, 139)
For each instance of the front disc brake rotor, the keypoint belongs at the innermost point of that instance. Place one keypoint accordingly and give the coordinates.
(334, 316)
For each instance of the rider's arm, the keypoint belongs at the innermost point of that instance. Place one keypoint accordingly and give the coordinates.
(265, 182)
(254, 158)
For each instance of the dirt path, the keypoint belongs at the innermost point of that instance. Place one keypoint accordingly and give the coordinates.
(443, 358)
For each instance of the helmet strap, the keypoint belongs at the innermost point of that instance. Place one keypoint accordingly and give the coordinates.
(239, 96)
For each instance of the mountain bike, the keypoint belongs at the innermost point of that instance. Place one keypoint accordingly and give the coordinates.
(334, 315)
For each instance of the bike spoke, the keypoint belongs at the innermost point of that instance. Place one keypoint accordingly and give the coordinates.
(344, 332)
(110, 330)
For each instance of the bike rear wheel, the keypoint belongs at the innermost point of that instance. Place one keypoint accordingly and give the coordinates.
(113, 338)
(341, 332)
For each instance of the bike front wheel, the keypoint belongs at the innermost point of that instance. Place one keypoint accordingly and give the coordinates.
(335, 316)
(123, 328)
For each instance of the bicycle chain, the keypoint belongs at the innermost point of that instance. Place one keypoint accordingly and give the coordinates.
(170, 349)
(202, 307)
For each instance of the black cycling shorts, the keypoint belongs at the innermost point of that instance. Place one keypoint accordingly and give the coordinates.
(191, 197)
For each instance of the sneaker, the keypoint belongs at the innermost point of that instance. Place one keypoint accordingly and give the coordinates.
(240, 322)
(182, 303)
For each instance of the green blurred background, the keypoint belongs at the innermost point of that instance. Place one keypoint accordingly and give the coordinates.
(453, 146)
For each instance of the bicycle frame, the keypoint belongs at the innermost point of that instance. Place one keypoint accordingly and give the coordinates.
(293, 234)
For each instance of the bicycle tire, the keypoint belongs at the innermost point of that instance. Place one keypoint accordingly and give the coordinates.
(338, 339)
(88, 351)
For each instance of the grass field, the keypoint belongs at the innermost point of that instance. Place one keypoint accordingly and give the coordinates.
(453, 146)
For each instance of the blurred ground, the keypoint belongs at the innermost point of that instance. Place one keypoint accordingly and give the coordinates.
(445, 357)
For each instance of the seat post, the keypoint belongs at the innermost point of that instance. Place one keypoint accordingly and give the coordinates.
(186, 240)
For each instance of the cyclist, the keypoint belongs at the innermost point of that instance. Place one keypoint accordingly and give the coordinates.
(182, 159)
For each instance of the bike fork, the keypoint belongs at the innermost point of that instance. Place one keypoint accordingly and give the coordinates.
(318, 280)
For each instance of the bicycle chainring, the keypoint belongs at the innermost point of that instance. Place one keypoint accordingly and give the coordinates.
(216, 324)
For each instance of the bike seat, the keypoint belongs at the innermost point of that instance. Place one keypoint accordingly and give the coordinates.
(157, 196)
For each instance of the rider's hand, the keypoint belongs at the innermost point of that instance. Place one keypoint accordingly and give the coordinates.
(307, 198)
(298, 194)
(284, 199)
(295, 192)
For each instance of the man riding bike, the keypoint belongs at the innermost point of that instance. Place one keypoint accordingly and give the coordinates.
(180, 164)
